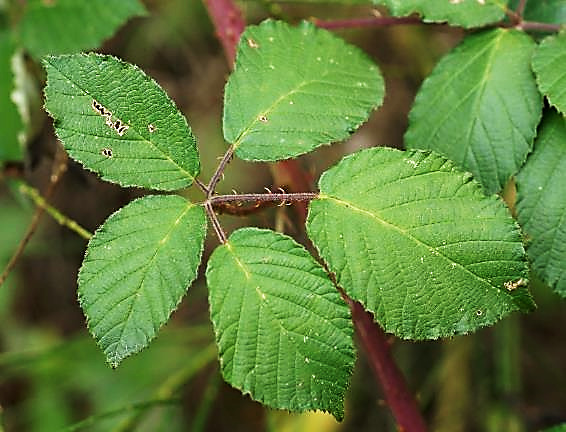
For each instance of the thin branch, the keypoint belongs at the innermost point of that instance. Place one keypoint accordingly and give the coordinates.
(283, 197)
(539, 26)
(215, 222)
(364, 22)
(220, 170)
(135, 407)
(400, 400)
(201, 186)
(61, 219)
(521, 8)
(58, 169)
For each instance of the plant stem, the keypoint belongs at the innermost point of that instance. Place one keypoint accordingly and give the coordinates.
(283, 197)
(539, 26)
(229, 24)
(201, 186)
(400, 400)
(215, 222)
(220, 170)
(140, 406)
(61, 219)
(58, 169)
(365, 22)
(521, 8)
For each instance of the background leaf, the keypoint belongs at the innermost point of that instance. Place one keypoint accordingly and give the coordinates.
(480, 106)
(541, 203)
(67, 26)
(137, 267)
(550, 11)
(418, 243)
(549, 64)
(10, 121)
(284, 333)
(294, 89)
(153, 145)
(465, 13)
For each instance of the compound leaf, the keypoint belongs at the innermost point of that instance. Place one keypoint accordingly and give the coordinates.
(137, 267)
(294, 89)
(67, 26)
(418, 243)
(465, 13)
(480, 106)
(283, 331)
(549, 64)
(119, 123)
(541, 207)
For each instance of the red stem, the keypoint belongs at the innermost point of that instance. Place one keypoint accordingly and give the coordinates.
(229, 25)
(400, 400)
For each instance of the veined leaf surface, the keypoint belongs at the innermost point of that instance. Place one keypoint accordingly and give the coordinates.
(283, 331)
(137, 267)
(294, 89)
(67, 26)
(549, 64)
(119, 123)
(465, 13)
(541, 203)
(480, 106)
(418, 244)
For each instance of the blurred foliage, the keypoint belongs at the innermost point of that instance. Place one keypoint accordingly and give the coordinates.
(510, 377)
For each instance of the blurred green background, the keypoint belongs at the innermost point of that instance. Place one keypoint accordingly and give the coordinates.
(510, 377)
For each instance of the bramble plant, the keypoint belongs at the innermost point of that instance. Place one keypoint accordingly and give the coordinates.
(420, 237)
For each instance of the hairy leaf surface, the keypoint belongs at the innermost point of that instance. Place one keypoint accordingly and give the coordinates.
(549, 64)
(465, 13)
(67, 26)
(137, 267)
(119, 123)
(418, 243)
(541, 203)
(284, 333)
(480, 106)
(10, 121)
(294, 89)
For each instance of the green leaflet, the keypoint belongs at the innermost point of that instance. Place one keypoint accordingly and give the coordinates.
(10, 121)
(119, 123)
(480, 106)
(541, 205)
(465, 13)
(67, 26)
(418, 244)
(137, 267)
(294, 89)
(549, 64)
(284, 333)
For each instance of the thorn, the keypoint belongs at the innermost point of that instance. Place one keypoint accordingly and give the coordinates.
(281, 190)
(268, 190)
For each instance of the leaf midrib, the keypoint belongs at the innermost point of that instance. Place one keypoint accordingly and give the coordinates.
(160, 244)
(400, 230)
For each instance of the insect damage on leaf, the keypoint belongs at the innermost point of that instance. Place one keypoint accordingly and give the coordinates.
(118, 125)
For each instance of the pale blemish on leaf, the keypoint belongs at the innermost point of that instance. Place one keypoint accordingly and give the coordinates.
(513, 285)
